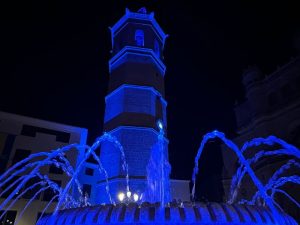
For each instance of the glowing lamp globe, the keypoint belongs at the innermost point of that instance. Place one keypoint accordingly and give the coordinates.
(121, 196)
(135, 197)
(160, 125)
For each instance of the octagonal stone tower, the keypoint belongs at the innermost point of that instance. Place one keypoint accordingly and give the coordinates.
(135, 101)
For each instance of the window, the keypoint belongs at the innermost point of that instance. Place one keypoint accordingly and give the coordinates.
(139, 38)
(20, 155)
(50, 193)
(7, 141)
(54, 169)
(91, 159)
(32, 191)
(86, 189)
(8, 218)
(31, 131)
(156, 48)
(89, 171)
(9, 191)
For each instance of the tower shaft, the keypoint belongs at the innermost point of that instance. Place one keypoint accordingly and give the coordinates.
(135, 100)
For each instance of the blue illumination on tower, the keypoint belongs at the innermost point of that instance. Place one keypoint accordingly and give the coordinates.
(134, 103)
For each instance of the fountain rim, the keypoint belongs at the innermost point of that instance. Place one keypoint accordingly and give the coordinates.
(178, 212)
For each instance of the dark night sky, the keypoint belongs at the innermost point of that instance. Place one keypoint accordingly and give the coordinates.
(55, 61)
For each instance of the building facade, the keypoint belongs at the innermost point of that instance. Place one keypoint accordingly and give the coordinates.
(272, 107)
(21, 136)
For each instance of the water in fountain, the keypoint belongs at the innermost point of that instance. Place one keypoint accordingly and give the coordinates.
(275, 181)
(158, 174)
(285, 149)
(15, 181)
(192, 213)
(273, 184)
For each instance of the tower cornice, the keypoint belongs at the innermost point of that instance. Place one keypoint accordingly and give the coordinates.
(112, 132)
(137, 87)
(129, 52)
(138, 16)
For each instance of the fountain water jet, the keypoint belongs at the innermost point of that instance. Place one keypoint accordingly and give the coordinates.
(245, 164)
(287, 149)
(158, 172)
(35, 162)
(196, 213)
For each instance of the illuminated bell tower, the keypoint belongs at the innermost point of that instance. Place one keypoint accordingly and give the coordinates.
(135, 100)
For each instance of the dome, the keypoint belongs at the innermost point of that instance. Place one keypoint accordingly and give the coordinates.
(185, 213)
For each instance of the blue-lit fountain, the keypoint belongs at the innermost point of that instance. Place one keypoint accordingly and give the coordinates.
(14, 181)
(274, 183)
(158, 172)
(155, 207)
(73, 207)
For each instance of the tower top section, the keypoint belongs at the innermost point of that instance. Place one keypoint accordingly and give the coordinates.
(141, 16)
(137, 39)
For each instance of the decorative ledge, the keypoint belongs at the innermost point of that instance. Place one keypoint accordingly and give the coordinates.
(136, 54)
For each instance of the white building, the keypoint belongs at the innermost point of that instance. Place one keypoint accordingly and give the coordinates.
(21, 136)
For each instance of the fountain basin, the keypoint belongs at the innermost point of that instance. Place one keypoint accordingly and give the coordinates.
(184, 213)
